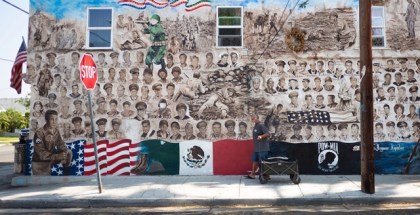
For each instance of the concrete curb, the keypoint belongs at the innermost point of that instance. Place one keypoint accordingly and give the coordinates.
(24, 181)
(101, 203)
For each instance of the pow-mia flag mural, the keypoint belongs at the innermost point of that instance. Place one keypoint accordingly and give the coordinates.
(196, 157)
(328, 156)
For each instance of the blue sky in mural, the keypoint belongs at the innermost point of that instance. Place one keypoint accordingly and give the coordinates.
(67, 8)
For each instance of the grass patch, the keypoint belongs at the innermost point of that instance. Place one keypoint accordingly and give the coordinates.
(9, 140)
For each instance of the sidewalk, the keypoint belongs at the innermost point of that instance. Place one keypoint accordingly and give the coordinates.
(155, 191)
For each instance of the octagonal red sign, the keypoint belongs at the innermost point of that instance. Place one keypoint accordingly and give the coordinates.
(88, 73)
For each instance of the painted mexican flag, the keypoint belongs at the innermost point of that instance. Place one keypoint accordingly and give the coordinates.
(196, 157)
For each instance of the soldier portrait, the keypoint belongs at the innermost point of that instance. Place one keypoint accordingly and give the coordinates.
(181, 110)
(101, 102)
(163, 131)
(296, 137)
(49, 147)
(141, 111)
(127, 112)
(216, 133)
(113, 112)
(38, 109)
(51, 101)
(101, 132)
(147, 132)
(230, 127)
(202, 130)
(116, 133)
(175, 130)
(243, 133)
(77, 131)
(75, 91)
(134, 75)
(189, 132)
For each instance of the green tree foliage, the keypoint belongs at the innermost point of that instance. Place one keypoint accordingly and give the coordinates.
(11, 120)
(25, 102)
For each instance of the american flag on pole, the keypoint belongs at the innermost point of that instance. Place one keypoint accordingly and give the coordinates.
(16, 78)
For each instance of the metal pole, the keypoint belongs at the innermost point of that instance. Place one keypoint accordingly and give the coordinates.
(98, 171)
(366, 106)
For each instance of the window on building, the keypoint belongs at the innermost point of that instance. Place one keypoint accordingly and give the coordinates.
(99, 28)
(378, 26)
(229, 27)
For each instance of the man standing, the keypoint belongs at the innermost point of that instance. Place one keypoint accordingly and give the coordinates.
(49, 147)
(261, 145)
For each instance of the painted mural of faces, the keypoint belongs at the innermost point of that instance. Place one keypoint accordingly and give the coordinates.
(75, 57)
(175, 130)
(189, 129)
(209, 58)
(145, 92)
(183, 59)
(111, 74)
(145, 126)
(234, 58)
(133, 92)
(100, 73)
(320, 100)
(270, 83)
(120, 90)
(66, 129)
(123, 75)
(216, 128)
(355, 130)
(67, 74)
(256, 82)
(140, 57)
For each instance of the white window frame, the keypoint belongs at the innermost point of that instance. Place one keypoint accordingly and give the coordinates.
(88, 29)
(379, 26)
(241, 26)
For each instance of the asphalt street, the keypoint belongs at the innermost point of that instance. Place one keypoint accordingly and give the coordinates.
(7, 153)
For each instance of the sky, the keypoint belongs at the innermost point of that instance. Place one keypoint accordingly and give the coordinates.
(14, 25)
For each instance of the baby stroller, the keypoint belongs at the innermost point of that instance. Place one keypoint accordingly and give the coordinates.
(279, 166)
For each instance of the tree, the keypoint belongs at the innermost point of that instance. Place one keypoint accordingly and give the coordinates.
(25, 101)
(11, 120)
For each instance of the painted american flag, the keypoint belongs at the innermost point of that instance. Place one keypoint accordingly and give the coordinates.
(114, 158)
(90, 164)
(320, 117)
(16, 76)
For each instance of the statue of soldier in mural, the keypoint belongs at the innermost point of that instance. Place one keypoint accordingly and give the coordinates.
(157, 50)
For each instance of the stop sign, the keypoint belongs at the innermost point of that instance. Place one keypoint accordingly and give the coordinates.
(88, 73)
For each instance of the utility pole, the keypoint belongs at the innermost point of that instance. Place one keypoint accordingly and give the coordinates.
(366, 106)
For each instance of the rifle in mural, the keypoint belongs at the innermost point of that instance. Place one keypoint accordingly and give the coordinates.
(413, 152)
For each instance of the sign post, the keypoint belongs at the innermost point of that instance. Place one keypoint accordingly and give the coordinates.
(89, 77)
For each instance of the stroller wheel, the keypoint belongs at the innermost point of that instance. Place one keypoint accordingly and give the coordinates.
(295, 178)
(262, 179)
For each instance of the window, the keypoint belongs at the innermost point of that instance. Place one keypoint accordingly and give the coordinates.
(229, 27)
(378, 26)
(99, 28)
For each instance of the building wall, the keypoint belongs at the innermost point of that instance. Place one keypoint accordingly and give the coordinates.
(216, 93)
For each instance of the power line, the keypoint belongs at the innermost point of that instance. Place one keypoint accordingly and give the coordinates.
(16, 7)
(6, 60)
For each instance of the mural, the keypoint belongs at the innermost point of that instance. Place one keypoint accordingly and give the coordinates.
(168, 101)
